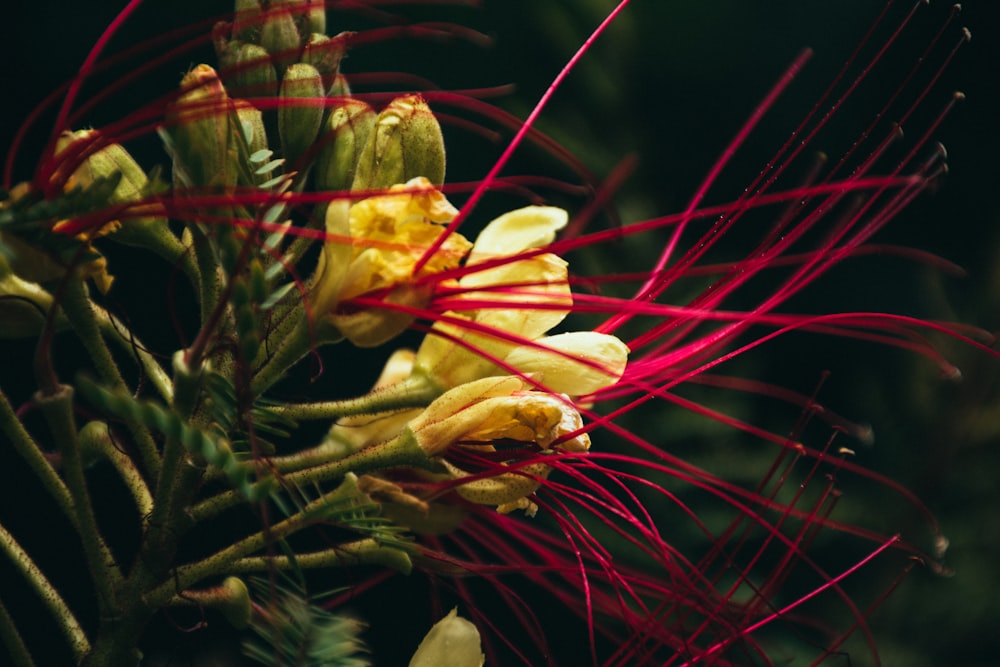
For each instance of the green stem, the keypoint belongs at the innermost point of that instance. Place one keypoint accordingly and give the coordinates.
(294, 347)
(222, 561)
(11, 638)
(96, 438)
(104, 571)
(361, 552)
(401, 451)
(29, 450)
(114, 329)
(415, 391)
(49, 595)
(210, 286)
(80, 312)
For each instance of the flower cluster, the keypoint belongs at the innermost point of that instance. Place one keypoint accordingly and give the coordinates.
(515, 438)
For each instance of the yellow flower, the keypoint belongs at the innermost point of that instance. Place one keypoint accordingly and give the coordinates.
(527, 298)
(388, 234)
(494, 409)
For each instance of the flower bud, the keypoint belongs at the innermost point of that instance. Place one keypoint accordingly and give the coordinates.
(298, 123)
(279, 32)
(247, 20)
(453, 641)
(347, 131)
(234, 602)
(316, 16)
(252, 123)
(252, 72)
(199, 123)
(24, 305)
(406, 143)
(325, 53)
(106, 161)
(493, 409)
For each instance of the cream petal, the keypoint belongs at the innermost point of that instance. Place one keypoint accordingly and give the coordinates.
(561, 369)
(517, 231)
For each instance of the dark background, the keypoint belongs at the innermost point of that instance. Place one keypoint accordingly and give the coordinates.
(671, 83)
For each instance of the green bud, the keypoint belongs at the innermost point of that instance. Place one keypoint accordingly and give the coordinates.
(252, 124)
(316, 16)
(279, 33)
(325, 53)
(405, 143)
(344, 137)
(252, 73)
(133, 186)
(339, 87)
(298, 123)
(247, 20)
(199, 124)
(453, 641)
(24, 305)
(235, 603)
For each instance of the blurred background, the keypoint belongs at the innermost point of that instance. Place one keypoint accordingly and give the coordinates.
(670, 84)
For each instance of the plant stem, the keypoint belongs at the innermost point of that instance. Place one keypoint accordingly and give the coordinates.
(29, 450)
(361, 552)
(413, 392)
(114, 329)
(402, 451)
(98, 437)
(80, 312)
(49, 595)
(11, 638)
(104, 571)
(222, 562)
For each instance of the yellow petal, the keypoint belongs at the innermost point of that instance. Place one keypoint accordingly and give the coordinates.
(517, 231)
(560, 361)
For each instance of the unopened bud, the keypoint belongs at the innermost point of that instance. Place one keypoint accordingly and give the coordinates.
(325, 53)
(252, 72)
(252, 125)
(316, 16)
(24, 305)
(298, 122)
(247, 20)
(453, 641)
(106, 161)
(279, 33)
(346, 133)
(199, 123)
(406, 143)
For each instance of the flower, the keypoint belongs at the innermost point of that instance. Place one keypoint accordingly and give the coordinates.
(576, 363)
(388, 234)
(477, 414)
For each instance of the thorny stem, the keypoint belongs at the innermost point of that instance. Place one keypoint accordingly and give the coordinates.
(81, 314)
(49, 595)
